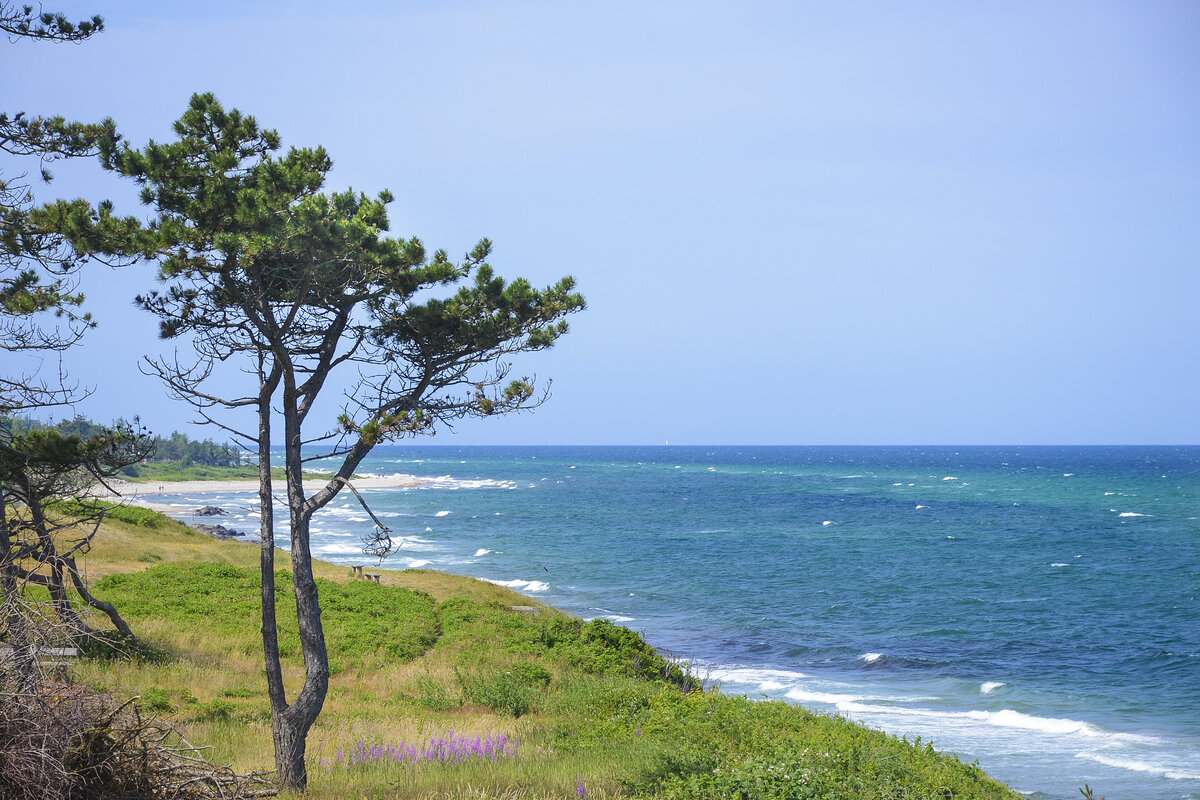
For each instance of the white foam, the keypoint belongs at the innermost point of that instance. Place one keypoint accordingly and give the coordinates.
(1133, 514)
(1141, 766)
(1068, 474)
(897, 484)
(949, 478)
(1109, 494)
(846, 701)
(483, 551)
(527, 586)
(918, 508)
(777, 677)
(429, 530)
(1059, 564)
(452, 483)
(827, 522)
(1005, 718)
(990, 686)
(417, 563)
(870, 658)
(338, 549)
(442, 514)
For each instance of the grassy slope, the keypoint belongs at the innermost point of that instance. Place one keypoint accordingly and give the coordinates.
(427, 655)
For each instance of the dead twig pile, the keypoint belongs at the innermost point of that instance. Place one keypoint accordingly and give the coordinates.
(64, 741)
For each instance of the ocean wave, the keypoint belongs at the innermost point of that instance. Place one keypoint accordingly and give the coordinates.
(870, 658)
(443, 514)
(338, 549)
(520, 585)
(1133, 514)
(990, 686)
(766, 679)
(840, 700)
(417, 563)
(1005, 718)
(447, 481)
(1161, 770)
(483, 551)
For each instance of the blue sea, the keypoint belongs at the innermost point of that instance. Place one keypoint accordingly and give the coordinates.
(1035, 609)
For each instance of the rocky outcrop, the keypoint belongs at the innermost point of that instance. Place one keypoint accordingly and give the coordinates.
(209, 511)
(219, 531)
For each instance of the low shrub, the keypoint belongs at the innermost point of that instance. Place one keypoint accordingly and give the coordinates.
(157, 700)
(505, 692)
(132, 515)
(434, 696)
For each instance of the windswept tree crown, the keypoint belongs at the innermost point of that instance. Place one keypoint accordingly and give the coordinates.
(255, 259)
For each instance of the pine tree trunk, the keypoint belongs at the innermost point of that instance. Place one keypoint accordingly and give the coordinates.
(289, 753)
(302, 713)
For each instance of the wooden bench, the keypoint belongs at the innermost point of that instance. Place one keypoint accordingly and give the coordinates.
(64, 656)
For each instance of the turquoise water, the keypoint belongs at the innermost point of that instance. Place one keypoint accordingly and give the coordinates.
(1033, 608)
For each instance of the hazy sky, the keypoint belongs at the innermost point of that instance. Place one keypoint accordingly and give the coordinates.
(795, 223)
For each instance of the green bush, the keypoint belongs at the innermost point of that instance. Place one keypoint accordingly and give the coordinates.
(157, 700)
(133, 515)
(509, 691)
(532, 674)
(435, 697)
(216, 710)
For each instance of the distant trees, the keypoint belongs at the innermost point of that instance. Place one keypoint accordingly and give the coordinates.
(262, 270)
(176, 447)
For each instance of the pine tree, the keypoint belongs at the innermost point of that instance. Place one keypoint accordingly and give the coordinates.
(261, 268)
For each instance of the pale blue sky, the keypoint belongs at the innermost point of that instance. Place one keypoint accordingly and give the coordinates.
(795, 223)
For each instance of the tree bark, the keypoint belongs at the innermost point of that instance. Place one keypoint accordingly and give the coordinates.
(291, 729)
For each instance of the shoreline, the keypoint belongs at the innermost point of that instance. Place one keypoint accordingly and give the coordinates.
(136, 493)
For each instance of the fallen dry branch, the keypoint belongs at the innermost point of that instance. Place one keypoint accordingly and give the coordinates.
(64, 741)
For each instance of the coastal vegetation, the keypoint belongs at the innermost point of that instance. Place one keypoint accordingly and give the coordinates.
(444, 686)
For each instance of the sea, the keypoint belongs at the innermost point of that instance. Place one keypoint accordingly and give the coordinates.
(1032, 609)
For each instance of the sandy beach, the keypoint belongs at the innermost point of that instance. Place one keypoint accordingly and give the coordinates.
(142, 493)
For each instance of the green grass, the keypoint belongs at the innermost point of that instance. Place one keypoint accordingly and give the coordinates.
(363, 621)
(427, 655)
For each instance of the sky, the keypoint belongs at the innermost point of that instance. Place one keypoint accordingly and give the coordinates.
(794, 223)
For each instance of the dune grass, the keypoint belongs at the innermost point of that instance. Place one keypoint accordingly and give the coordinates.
(427, 660)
